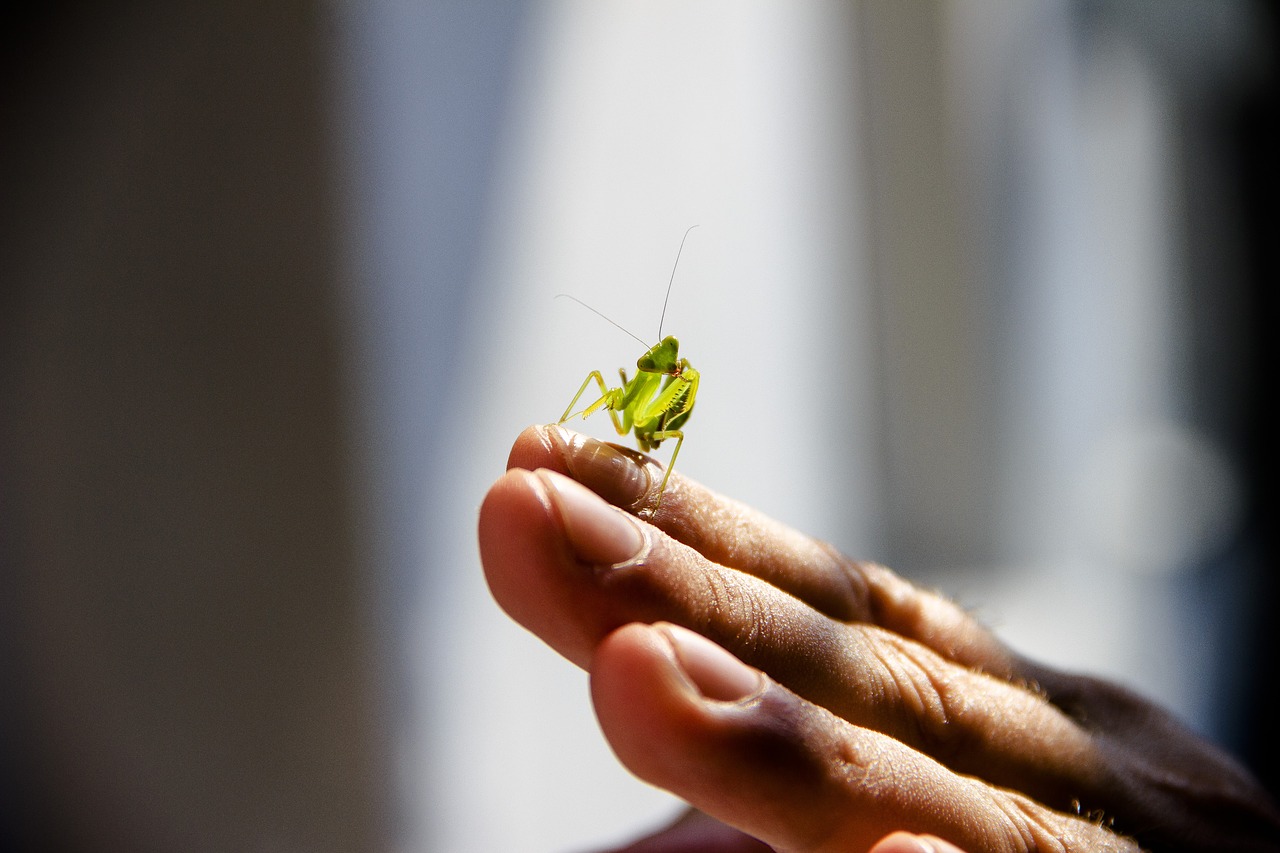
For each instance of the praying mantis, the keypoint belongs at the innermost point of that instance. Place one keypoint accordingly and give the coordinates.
(656, 402)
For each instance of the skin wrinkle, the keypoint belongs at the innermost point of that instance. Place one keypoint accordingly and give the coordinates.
(937, 719)
(918, 682)
(945, 733)
(860, 777)
(686, 517)
(935, 621)
(1033, 821)
(716, 610)
(1035, 836)
(548, 440)
(848, 770)
(1012, 828)
(746, 623)
(856, 602)
(884, 594)
(736, 613)
(1046, 831)
(913, 608)
(756, 618)
(958, 729)
(785, 746)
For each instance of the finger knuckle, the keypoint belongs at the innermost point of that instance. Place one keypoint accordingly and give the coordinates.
(737, 612)
(853, 600)
(927, 690)
(1027, 826)
(801, 761)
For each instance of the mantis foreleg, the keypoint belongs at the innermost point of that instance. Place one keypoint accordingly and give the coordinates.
(609, 398)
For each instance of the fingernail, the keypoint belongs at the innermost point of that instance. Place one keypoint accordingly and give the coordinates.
(921, 844)
(934, 844)
(599, 533)
(717, 674)
(904, 842)
(623, 479)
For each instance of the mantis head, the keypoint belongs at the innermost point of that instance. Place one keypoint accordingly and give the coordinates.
(661, 358)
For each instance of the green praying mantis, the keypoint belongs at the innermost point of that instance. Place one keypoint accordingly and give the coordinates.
(657, 401)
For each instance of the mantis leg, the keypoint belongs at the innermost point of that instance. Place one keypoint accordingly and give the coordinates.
(678, 435)
(608, 399)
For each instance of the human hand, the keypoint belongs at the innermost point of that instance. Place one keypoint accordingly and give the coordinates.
(820, 703)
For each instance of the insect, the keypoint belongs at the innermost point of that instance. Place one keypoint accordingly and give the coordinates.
(656, 402)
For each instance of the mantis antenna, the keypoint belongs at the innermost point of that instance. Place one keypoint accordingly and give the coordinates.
(602, 316)
(667, 299)
(671, 281)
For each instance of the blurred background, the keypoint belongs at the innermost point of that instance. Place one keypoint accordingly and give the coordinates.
(982, 289)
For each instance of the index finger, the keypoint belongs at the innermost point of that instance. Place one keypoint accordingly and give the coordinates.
(733, 534)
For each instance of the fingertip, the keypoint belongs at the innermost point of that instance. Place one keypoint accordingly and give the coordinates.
(697, 832)
(901, 842)
(938, 845)
(530, 569)
(674, 667)
(718, 675)
(512, 535)
(685, 715)
(535, 448)
(645, 703)
(906, 842)
(599, 533)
